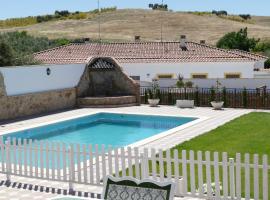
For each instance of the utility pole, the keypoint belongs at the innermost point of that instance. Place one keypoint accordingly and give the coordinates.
(161, 22)
(99, 29)
(99, 37)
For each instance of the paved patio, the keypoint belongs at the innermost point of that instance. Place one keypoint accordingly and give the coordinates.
(32, 189)
(24, 188)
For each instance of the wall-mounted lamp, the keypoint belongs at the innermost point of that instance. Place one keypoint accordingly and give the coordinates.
(49, 71)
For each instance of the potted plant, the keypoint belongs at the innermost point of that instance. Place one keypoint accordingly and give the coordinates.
(216, 104)
(184, 103)
(153, 99)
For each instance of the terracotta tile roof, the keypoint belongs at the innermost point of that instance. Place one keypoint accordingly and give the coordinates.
(149, 52)
(249, 54)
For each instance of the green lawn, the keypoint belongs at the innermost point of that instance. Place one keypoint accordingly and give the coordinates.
(247, 134)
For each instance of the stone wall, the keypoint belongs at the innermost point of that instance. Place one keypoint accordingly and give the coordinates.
(82, 88)
(12, 107)
(2, 86)
(109, 83)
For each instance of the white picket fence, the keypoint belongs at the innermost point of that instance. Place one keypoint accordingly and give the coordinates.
(205, 175)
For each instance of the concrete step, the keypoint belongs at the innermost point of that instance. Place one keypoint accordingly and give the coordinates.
(106, 102)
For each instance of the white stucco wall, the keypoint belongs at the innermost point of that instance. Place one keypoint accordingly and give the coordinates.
(214, 70)
(31, 79)
(259, 64)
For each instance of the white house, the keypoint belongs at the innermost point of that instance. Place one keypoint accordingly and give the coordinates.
(162, 60)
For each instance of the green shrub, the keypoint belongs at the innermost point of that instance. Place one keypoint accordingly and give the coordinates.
(224, 96)
(78, 16)
(170, 99)
(17, 22)
(145, 96)
(158, 95)
(267, 64)
(58, 15)
(212, 94)
(262, 46)
(150, 94)
(244, 96)
(7, 55)
(197, 98)
(180, 83)
(189, 84)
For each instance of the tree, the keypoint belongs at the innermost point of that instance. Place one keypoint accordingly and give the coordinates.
(245, 16)
(17, 48)
(180, 83)
(237, 40)
(6, 54)
(267, 64)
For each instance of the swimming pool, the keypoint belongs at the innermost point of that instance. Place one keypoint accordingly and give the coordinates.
(103, 128)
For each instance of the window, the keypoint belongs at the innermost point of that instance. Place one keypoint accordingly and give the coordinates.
(232, 75)
(199, 76)
(136, 78)
(165, 76)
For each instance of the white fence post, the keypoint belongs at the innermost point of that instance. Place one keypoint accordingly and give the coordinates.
(265, 177)
(120, 161)
(232, 180)
(247, 177)
(216, 174)
(179, 189)
(256, 177)
(238, 176)
(142, 165)
(71, 168)
(8, 160)
(146, 164)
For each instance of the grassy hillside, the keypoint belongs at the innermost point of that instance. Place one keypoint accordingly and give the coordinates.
(124, 24)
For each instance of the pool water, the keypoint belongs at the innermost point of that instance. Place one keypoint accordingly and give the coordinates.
(103, 128)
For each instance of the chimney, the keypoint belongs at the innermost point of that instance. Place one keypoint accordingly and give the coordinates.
(137, 38)
(86, 40)
(183, 42)
(202, 42)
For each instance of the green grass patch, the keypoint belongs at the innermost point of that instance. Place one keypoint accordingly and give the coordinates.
(247, 134)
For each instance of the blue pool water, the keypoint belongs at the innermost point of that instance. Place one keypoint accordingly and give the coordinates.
(103, 128)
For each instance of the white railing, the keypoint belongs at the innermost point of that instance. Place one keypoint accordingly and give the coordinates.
(210, 175)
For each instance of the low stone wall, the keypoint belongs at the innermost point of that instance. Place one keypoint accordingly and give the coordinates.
(106, 101)
(12, 107)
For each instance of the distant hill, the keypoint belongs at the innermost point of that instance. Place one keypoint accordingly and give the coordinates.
(123, 25)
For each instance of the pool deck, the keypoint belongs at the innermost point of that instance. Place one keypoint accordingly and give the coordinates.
(209, 119)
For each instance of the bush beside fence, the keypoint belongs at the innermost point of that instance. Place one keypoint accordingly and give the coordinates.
(233, 98)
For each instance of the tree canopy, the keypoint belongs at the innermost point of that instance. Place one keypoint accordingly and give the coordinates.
(237, 40)
(17, 48)
(7, 55)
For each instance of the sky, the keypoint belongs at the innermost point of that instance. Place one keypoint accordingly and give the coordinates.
(23, 8)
